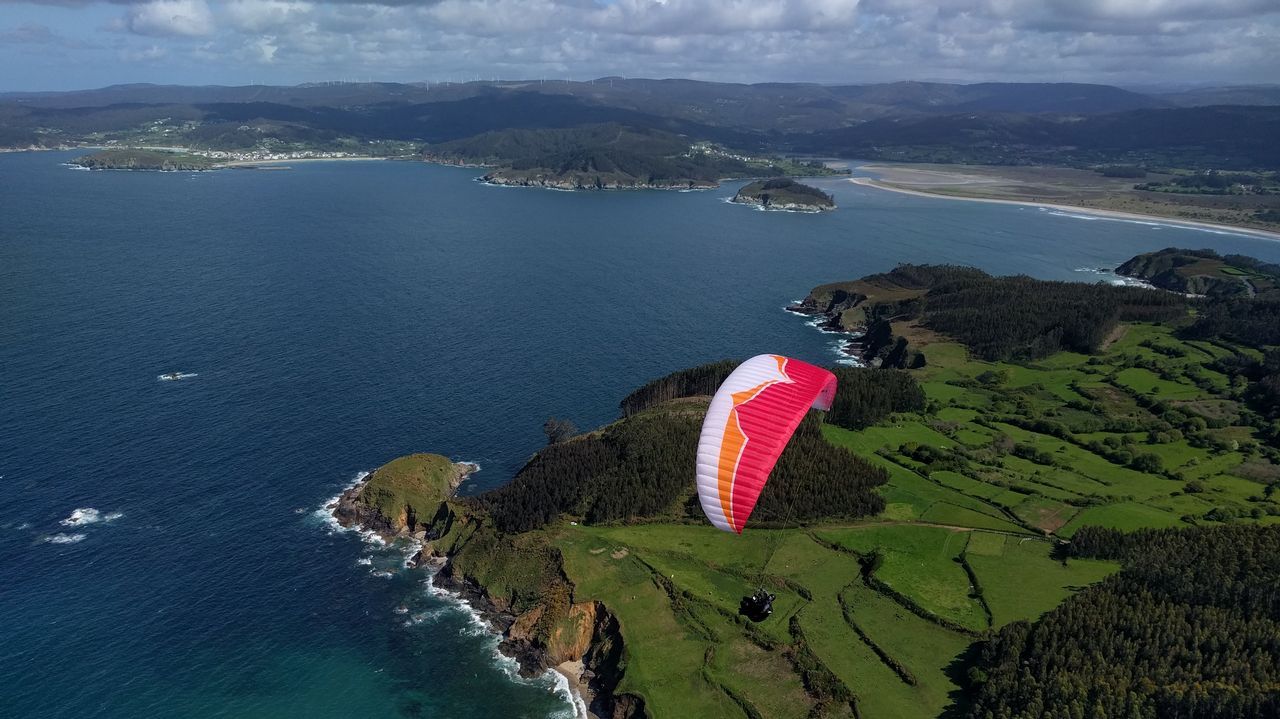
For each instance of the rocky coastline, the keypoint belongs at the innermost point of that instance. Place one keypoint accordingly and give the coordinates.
(826, 317)
(585, 643)
(352, 511)
(591, 660)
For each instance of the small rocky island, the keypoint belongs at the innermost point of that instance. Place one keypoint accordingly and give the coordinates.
(401, 497)
(154, 160)
(784, 194)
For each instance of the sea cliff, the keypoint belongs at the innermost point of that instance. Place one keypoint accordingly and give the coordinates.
(516, 583)
(400, 497)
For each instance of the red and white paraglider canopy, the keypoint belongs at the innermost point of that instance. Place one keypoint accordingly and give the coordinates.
(751, 418)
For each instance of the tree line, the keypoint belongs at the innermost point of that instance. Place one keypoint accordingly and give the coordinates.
(1019, 318)
(642, 466)
(1190, 627)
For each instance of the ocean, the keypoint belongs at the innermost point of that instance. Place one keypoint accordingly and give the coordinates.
(337, 315)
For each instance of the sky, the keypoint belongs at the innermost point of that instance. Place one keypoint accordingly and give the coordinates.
(71, 44)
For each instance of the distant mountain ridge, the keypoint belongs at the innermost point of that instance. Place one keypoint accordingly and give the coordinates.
(985, 123)
(857, 102)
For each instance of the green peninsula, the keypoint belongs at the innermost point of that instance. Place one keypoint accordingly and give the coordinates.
(401, 496)
(136, 159)
(608, 157)
(1204, 272)
(940, 534)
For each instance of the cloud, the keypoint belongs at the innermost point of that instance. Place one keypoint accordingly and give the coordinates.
(30, 34)
(851, 41)
(259, 15)
(42, 36)
(160, 18)
(151, 53)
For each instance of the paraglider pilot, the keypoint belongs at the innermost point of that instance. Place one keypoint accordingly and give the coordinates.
(758, 606)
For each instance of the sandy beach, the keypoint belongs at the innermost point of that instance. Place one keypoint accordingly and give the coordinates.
(1267, 234)
(572, 671)
(251, 163)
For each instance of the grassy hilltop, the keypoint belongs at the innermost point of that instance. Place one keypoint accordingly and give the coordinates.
(403, 494)
(939, 531)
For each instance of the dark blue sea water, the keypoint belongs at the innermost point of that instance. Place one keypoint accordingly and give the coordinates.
(339, 315)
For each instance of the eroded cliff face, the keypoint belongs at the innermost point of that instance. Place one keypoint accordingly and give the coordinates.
(603, 667)
(568, 638)
(351, 512)
(517, 583)
(831, 303)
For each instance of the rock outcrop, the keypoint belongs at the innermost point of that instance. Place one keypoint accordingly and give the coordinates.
(402, 496)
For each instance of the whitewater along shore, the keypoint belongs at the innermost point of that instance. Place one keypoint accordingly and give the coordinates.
(412, 499)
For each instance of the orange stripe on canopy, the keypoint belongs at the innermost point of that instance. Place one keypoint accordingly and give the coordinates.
(750, 420)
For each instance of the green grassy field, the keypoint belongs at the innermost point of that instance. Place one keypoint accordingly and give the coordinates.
(922, 563)
(1020, 581)
(714, 570)
(982, 485)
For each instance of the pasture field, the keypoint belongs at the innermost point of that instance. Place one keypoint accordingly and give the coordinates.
(1021, 581)
(1006, 462)
(920, 562)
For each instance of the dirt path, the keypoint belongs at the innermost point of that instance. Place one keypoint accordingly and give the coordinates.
(1114, 337)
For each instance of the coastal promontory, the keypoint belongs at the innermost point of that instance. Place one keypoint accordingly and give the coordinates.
(784, 194)
(135, 159)
(401, 496)
(1203, 272)
(609, 156)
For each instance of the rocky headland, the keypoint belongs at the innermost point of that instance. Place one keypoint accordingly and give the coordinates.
(1203, 273)
(866, 311)
(514, 582)
(401, 497)
(154, 160)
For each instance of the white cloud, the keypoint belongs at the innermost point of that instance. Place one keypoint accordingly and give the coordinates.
(144, 54)
(744, 40)
(260, 15)
(162, 18)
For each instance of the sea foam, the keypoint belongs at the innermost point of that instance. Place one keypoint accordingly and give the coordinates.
(475, 626)
(64, 538)
(88, 515)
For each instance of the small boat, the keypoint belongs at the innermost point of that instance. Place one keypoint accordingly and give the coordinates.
(172, 376)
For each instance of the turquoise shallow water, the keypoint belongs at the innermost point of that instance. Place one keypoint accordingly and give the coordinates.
(338, 315)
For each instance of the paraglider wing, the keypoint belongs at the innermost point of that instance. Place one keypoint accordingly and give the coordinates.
(750, 420)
